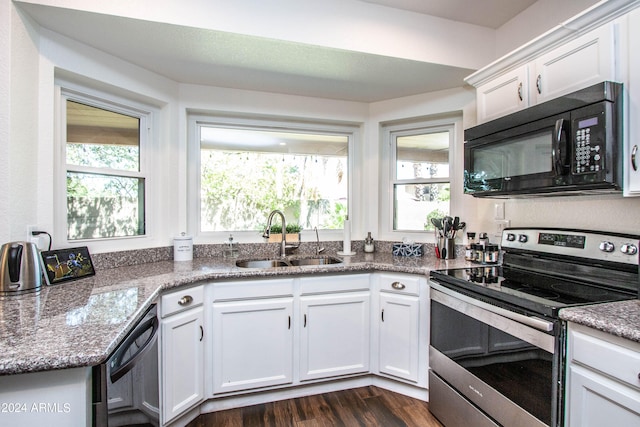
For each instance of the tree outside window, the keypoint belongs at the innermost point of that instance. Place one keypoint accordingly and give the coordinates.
(245, 173)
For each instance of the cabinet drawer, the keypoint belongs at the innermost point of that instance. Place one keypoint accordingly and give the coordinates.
(399, 284)
(182, 299)
(615, 360)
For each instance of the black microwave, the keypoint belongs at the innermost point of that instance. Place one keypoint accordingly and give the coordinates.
(568, 145)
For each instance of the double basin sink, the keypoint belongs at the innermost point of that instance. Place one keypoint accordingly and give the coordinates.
(284, 262)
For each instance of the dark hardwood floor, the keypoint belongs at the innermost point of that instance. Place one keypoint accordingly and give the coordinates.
(365, 406)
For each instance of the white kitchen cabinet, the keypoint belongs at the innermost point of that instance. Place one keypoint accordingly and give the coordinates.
(403, 327)
(588, 59)
(334, 337)
(182, 355)
(580, 63)
(253, 344)
(503, 95)
(632, 119)
(603, 384)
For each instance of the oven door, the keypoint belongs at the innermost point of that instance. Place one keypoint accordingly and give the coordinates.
(491, 366)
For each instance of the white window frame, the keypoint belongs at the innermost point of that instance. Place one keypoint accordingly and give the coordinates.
(196, 120)
(67, 90)
(389, 131)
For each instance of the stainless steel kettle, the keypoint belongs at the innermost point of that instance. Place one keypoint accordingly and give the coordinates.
(20, 267)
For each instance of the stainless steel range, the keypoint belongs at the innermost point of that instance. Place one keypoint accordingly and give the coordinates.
(497, 345)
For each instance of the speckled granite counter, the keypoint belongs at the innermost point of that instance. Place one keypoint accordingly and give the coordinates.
(617, 318)
(80, 323)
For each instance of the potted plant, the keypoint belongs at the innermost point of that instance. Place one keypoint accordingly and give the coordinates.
(292, 233)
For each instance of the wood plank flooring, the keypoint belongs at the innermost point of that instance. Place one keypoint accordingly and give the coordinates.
(365, 406)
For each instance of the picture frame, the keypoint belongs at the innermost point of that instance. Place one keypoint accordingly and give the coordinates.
(63, 265)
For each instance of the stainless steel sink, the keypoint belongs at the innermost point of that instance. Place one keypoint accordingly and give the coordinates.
(296, 262)
(321, 260)
(261, 263)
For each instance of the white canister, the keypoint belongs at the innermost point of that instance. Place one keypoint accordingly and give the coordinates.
(183, 248)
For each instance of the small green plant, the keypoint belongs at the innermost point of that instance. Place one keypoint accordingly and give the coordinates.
(291, 228)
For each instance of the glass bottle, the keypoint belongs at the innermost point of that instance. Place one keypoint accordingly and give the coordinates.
(368, 243)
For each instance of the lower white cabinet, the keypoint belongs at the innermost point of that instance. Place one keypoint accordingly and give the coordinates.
(603, 384)
(253, 344)
(399, 317)
(334, 338)
(182, 356)
(402, 341)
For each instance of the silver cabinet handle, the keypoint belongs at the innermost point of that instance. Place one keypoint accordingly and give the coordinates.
(398, 285)
(539, 83)
(520, 91)
(634, 152)
(185, 300)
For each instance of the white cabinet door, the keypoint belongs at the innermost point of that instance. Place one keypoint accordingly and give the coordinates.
(632, 120)
(334, 335)
(580, 63)
(596, 400)
(503, 95)
(253, 344)
(182, 362)
(399, 335)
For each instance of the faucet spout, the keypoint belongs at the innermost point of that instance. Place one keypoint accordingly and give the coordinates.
(267, 231)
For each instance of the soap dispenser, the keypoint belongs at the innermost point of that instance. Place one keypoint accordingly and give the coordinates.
(231, 248)
(368, 243)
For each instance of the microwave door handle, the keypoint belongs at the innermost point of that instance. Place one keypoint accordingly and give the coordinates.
(556, 153)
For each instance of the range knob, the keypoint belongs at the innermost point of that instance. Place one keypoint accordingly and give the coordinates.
(629, 249)
(606, 246)
(511, 237)
(523, 238)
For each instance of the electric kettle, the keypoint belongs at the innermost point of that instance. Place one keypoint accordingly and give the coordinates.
(20, 268)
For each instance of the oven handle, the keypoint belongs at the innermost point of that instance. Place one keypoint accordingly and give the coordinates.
(448, 297)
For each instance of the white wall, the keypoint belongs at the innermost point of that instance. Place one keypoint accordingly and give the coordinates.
(61, 56)
(18, 113)
(460, 101)
(537, 19)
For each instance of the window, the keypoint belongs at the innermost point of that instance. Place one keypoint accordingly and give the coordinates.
(420, 176)
(249, 168)
(105, 178)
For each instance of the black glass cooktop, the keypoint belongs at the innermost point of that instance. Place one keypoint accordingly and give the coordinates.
(539, 293)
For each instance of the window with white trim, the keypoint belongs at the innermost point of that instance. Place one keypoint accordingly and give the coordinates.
(247, 168)
(419, 174)
(103, 152)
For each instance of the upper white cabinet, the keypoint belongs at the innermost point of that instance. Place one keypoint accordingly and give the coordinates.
(603, 385)
(632, 119)
(580, 63)
(503, 95)
(584, 61)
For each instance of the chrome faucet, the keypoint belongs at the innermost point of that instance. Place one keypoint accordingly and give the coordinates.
(318, 248)
(267, 231)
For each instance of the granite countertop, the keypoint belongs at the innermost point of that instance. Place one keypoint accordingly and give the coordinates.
(617, 318)
(79, 323)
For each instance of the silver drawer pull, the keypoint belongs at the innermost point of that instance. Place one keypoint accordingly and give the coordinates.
(186, 300)
(398, 285)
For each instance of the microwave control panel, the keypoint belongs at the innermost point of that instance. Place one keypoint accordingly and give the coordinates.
(588, 136)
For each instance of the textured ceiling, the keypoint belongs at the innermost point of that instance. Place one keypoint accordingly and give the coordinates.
(224, 59)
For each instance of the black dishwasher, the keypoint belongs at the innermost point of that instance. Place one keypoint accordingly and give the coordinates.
(125, 387)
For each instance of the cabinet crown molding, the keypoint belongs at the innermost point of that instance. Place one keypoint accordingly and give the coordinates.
(587, 20)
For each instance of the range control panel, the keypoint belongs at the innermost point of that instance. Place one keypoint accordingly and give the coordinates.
(614, 247)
